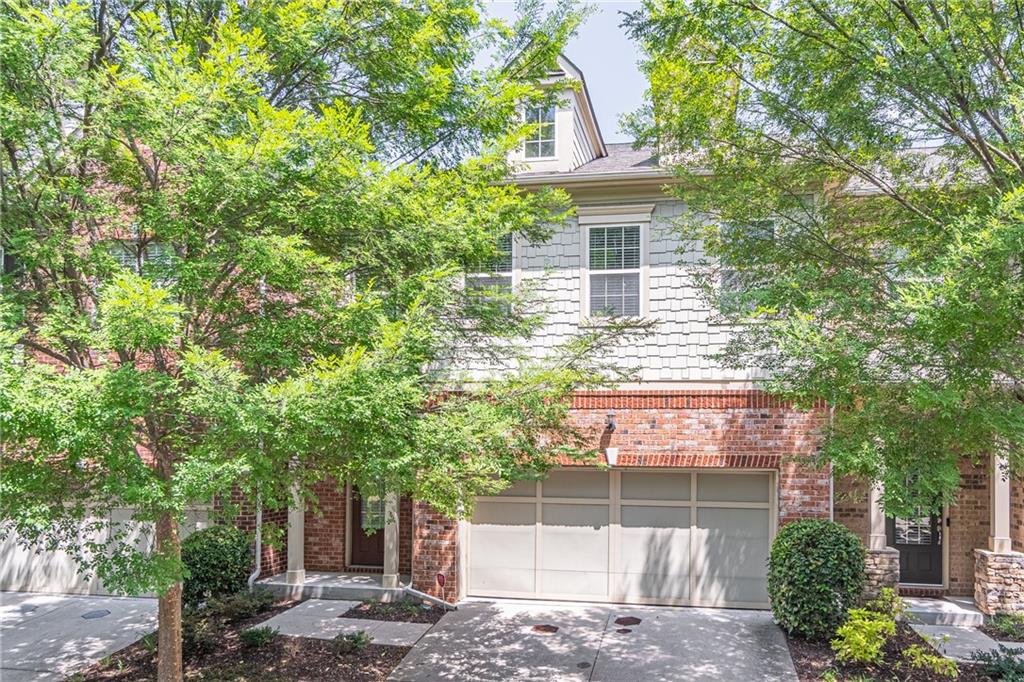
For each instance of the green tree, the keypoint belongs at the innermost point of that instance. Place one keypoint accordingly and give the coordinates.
(235, 239)
(855, 170)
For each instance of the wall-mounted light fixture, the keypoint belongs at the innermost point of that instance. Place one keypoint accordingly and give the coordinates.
(610, 422)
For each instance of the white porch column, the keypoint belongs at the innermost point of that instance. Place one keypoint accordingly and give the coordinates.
(999, 538)
(876, 518)
(296, 540)
(390, 578)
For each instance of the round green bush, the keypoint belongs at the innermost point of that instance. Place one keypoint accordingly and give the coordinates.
(218, 561)
(815, 575)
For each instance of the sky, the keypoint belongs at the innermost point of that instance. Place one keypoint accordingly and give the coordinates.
(608, 59)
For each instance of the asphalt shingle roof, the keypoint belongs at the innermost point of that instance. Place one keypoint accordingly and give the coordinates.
(621, 158)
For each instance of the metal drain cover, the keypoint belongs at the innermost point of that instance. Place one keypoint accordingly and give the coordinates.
(98, 613)
(546, 629)
(627, 620)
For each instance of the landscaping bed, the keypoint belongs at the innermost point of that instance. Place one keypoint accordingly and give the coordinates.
(1005, 628)
(815, 661)
(227, 657)
(404, 611)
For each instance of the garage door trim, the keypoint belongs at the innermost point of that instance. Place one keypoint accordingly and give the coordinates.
(614, 503)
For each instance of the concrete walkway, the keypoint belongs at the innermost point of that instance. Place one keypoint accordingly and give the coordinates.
(50, 636)
(958, 642)
(321, 618)
(513, 641)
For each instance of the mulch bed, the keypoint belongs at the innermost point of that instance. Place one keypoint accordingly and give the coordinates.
(1015, 635)
(285, 658)
(813, 659)
(396, 612)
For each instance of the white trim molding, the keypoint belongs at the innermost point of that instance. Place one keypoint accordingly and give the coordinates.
(626, 215)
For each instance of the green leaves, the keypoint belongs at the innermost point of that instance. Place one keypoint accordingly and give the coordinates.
(883, 141)
(136, 314)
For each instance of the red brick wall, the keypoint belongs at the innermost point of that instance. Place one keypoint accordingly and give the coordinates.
(273, 559)
(325, 531)
(850, 507)
(435, 550)
(970, 522)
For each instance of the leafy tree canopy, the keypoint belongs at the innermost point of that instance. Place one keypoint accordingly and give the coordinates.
(235, 238)
(855, 170)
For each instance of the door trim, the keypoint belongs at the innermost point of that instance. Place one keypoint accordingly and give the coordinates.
(614, 528)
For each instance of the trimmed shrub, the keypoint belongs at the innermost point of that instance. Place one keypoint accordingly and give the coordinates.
(349, 643)
(861, 638)
(1005, 664)
(257, 637)
(241, 605)
(218, 560)
(815, 575)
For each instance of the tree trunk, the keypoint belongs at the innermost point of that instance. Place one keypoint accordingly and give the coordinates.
(169, 667)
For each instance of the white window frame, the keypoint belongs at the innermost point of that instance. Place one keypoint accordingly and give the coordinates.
(514, 272)
(610, 216)
(554, 135)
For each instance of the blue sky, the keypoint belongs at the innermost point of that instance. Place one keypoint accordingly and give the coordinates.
(608, 59)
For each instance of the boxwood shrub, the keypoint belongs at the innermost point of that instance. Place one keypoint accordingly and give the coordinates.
(815, 575)
(218, 560)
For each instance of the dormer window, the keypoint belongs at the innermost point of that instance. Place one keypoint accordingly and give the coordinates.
(541, 142)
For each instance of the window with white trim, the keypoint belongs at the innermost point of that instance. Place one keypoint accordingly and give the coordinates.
(153, 259)
(733, 281)
(613, 259)
(541, 142)
(496, 275)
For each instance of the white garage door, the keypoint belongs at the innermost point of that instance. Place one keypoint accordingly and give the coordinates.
(648, 537)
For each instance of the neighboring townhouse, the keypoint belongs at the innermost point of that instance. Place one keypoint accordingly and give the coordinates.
(703, 467)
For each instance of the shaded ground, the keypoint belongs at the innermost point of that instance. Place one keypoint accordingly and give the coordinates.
(518, 641)
(1005, 628)
(813, 659)
(49, 636)
(230, 659)
(405, 611)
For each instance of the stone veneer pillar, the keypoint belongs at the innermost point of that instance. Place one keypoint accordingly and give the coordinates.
(998, 570)
(882, 563)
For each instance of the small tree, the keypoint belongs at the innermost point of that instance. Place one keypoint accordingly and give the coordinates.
(235, 238)
(862, 166)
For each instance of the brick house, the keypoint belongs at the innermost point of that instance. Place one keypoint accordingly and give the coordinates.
(703, 467)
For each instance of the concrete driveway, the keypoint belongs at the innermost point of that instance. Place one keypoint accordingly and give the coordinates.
(500, 641)
(50, 636)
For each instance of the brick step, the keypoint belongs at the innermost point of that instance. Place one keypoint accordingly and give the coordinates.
(922, 591)
(949, 611)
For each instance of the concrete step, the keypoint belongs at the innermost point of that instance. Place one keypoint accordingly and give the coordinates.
(958, 611)
(323, 585)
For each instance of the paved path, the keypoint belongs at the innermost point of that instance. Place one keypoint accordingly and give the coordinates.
(485, 641)
(958, 642)
(320, 618)
(45, 637)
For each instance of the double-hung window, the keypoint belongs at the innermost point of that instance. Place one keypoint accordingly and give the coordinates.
(495, 275)
(614, 260)
(153, 259)
(541, 142)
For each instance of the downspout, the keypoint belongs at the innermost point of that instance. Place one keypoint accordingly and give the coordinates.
(408, 589)
(259, 543)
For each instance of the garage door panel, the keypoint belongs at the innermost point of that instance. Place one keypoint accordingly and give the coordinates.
(654, 554)
(583, 484)
(647, 485)
(730, 562)
(503, 545)
(574, 549)
(732, 488)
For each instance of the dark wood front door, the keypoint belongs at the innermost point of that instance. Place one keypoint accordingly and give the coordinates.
(919, 542)
(367, 529)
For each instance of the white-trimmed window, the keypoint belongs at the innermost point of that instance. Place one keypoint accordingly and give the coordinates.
(734, 282)
(496, 275)
(615, 268)
(541, 142)
(152, 259)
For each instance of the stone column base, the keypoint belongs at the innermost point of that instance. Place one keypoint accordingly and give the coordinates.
(881, 569)
(998, 581)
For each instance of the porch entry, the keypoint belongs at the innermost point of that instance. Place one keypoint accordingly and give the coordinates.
(919, 541)
(366, 528)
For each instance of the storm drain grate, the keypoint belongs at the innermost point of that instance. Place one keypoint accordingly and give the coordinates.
(627, 620)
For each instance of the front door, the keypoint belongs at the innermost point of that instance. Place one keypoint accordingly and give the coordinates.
(919, 542)
(367, 529)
